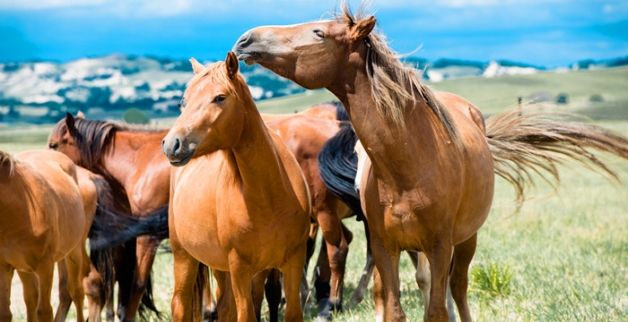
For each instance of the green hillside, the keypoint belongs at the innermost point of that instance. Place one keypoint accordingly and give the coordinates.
(492, 95)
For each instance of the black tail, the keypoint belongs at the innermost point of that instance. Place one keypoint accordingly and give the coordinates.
(112, 229)
(338, 164)
(114, 225)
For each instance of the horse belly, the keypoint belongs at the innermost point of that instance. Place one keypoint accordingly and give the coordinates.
(478, 188)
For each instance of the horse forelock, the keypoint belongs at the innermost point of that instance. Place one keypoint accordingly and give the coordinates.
(394, 84)
(216, 73)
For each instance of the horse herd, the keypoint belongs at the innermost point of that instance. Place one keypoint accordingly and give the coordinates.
(245, 193)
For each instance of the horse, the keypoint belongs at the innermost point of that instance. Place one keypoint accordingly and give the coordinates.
(130, 161)
(42, 221)
(428, 183)
(236, 187)
(304, 133)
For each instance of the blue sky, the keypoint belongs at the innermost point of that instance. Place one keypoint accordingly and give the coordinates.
(543, 32)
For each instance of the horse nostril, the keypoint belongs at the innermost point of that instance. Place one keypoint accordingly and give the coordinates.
(177, 145)
(245, 40)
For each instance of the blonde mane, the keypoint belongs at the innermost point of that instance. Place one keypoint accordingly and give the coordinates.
(7, 161)
(393, 84)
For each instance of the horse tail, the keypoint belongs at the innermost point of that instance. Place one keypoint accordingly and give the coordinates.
(112, 228)
(338, 164)
(102, 259)
(114, 225)
(147, 304)
(536, 141)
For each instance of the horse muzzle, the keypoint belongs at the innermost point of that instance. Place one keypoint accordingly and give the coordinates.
(178, 151)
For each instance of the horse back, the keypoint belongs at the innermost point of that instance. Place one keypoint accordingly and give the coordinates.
(48, 209)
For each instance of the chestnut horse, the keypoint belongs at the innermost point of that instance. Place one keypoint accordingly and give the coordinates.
(42, 221)
(428, 183)
(239, 202)
(130, 162)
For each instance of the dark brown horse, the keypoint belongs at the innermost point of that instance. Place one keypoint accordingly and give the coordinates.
(428, 184)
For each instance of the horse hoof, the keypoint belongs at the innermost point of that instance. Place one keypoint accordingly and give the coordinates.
(324, 310)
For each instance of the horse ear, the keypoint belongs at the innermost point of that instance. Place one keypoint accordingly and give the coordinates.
(362, 28)
(69, 123)
(80, 115)
(196, 66)
(232, 64)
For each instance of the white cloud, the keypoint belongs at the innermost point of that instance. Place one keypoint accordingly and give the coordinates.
(48, 4)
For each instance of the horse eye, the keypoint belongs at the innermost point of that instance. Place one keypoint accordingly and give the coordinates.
(319, 33)
(219, 98)
(53, 146)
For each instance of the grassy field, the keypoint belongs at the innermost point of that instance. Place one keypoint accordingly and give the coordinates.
(563, 257)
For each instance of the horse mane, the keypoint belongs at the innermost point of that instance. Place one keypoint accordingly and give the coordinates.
(7, 162)
(393, 83)
(341, 111)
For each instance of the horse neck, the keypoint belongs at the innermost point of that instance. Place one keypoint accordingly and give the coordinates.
(121, 159)
(257, 163)
(400, 155)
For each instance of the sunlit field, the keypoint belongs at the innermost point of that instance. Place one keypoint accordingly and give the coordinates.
(562, 257)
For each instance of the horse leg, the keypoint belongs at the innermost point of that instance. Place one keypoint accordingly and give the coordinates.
(125, 263)
(257, 292)
(337, 250)
(367, 272)
(30, 291)
(387, 263)
(6, 275)
(439, 256)
(185, 274)
(322, 277)
(422, 277)
(378, 295)
(45, 273)
(76, 270)
(273, 294)
(225, 304)
(65, 299)
(110, 315)
(459, 279)
(241, 282)
(94, 291)
(311, 246)
(293, 272)
(209, 305)
(145, 252)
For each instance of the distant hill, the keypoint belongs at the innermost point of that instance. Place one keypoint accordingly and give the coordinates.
(105, 87)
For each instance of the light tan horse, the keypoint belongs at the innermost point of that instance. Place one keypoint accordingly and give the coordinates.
(429, 184)
(42, 221)
(239, 203)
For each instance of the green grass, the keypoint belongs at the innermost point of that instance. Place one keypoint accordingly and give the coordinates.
(563, 257)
